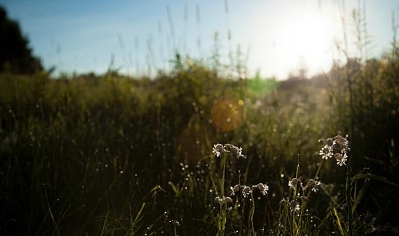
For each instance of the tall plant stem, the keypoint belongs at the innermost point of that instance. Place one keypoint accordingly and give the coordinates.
(348, 198)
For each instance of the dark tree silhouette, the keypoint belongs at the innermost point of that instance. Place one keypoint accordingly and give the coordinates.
(15, 54)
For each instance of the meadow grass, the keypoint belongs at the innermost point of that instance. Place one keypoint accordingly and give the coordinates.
(195, 153)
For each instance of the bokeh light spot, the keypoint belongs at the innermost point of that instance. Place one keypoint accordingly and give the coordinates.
(227, 114)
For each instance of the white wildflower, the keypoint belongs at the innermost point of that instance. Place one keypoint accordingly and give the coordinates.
(246, 190)
(218, 149)
(326, 152)
(341, 158)
(236, 151)
(263, 188)
(313, 185)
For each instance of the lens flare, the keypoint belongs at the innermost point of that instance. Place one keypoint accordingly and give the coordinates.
(228, 114)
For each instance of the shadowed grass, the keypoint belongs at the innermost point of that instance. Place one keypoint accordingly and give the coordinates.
(111, 155)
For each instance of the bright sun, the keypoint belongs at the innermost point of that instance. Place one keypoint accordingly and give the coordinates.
(302, 37)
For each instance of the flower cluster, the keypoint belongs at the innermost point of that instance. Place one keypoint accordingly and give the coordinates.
(299, 200)
(337, 147)
(219, 149)
(311, 184)
(247, 190)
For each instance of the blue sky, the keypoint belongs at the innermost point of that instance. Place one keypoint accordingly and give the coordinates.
(275, 36)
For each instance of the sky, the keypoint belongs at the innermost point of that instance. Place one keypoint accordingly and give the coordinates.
(275, 37)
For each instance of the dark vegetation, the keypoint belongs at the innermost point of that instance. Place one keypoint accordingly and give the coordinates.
(113, 155)
(15, 55)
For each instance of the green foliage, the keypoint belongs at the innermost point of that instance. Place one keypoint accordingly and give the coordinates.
(260, 87)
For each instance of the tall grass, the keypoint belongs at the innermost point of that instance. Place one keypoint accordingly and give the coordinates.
(112, 155)
(102, 153)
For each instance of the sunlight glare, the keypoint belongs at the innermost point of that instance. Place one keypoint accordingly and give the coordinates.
(302, 38)
(307, 41)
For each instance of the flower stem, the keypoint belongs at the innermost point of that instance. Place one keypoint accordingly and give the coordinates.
(348, 198)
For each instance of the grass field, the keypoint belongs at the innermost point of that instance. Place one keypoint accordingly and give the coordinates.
(113, 155)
